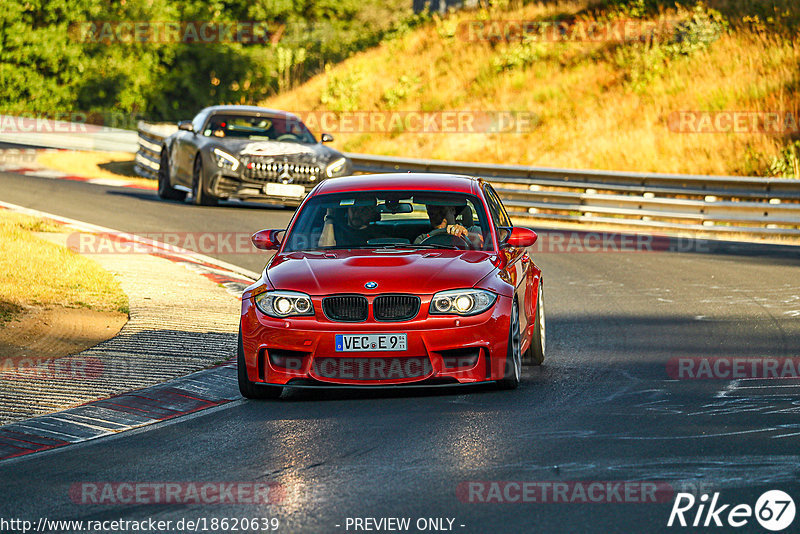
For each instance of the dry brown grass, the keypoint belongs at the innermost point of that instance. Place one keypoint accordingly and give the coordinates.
(590, 114)
(36, 272)
(103, 165)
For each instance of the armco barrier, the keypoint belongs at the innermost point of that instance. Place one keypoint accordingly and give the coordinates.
(675, 202)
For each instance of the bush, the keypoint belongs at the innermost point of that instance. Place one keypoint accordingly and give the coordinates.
(518, 55)
(646, 61)
(342, 91)
(405, 87)
(787, 163)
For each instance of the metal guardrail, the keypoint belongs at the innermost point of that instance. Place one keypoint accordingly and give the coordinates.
(151, 137)
(674, 202)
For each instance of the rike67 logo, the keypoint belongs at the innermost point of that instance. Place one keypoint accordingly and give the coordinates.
(774, 510)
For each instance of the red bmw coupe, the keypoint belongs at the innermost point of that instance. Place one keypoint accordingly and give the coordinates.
(393, 280)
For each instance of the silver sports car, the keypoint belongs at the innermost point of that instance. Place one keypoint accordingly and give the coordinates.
(245, 152)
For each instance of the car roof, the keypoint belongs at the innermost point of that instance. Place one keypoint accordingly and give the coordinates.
(248, 110)
(455, 183)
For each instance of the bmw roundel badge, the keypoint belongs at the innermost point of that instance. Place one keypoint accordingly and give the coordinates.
(371, 285)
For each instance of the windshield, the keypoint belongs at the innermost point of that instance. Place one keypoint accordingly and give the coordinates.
(258, 128)
(391, 219)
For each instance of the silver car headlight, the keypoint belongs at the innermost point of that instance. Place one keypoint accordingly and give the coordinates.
(462, 302)
(225, 160)
(336, 167)
(284, 303)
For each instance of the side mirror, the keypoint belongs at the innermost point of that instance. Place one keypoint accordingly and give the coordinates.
(326, 138)
(521, 237)
(266, 239)
(185, 126)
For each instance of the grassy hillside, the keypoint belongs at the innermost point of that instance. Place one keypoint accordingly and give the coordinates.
(602, 105)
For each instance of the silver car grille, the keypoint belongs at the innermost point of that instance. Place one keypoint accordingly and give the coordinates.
(266, 169)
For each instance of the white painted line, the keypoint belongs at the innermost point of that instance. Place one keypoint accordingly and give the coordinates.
(108, 181)
(770, 387)
(165, 248)
(728, 389)
(46, 174)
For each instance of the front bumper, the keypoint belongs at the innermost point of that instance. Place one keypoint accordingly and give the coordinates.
(228, 185)
(440, 350)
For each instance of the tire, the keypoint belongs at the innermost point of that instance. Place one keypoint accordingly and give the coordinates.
(165, 189)
(535, 353)
(199, 195)
(247, 388)
(513, 370)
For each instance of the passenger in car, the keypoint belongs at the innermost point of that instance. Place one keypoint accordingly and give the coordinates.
(351, 227)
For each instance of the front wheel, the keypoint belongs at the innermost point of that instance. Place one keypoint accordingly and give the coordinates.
(199, 195)
(513, 370)
(248, 389)
(535, 353)
(165, 189)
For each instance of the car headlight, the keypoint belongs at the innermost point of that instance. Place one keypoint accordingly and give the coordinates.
(336, 167)
(225, 160)
(462, 302)
(284, 303)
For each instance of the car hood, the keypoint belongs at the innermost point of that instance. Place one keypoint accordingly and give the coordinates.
(278, 150)
(347, 271)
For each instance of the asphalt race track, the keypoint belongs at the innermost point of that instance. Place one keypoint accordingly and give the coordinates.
(603, 407)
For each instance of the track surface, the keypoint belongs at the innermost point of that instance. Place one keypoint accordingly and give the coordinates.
(602, 408)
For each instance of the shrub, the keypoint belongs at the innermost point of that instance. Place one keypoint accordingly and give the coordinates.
(405, 87)
(646, 61)
(787, 163)
(341, 93)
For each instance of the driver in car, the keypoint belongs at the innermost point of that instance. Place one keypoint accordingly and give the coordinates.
(443, 220)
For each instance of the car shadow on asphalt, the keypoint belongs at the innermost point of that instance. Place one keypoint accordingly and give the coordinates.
(328, 393)
(151, 196)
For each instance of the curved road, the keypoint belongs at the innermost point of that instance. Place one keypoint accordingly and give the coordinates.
(602, 408)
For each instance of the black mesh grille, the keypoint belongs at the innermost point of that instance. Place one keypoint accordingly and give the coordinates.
(395, 307)
(345, 308)
(375, 368)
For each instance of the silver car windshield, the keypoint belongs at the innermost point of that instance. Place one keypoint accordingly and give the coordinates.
(258, 128)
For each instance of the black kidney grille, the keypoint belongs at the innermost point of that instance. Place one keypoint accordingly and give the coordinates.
(345, 308)
(395, 307)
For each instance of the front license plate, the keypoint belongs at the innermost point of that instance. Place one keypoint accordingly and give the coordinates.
(370, 342)
(284, 190)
